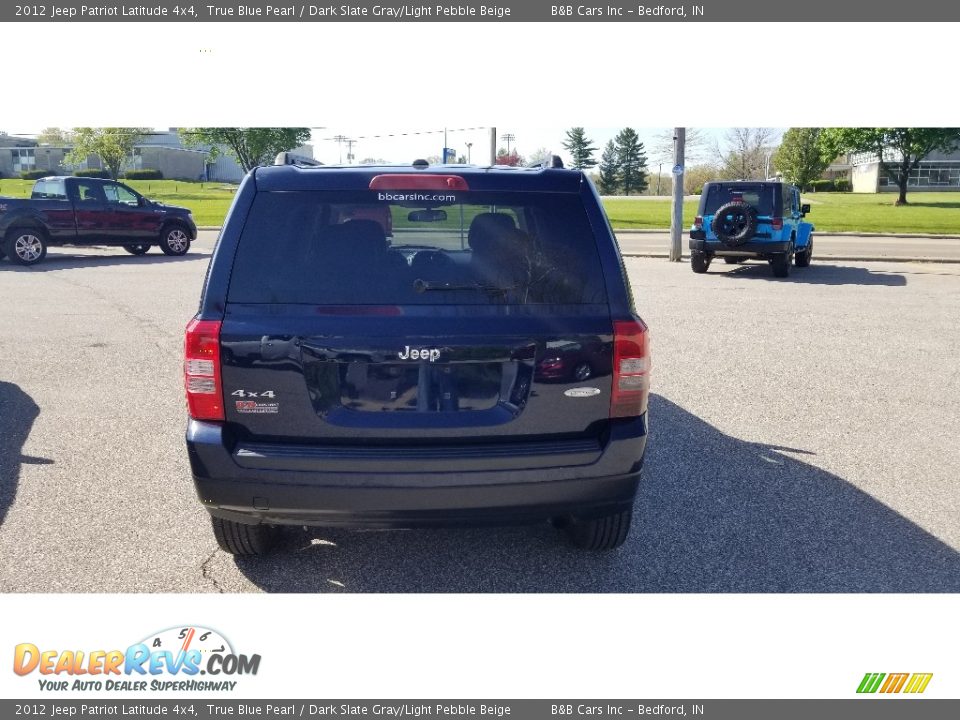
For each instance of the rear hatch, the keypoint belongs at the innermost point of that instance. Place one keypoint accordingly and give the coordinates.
(417, 318)
(762, 197)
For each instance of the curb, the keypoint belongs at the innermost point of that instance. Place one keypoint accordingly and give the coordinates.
(847, 258)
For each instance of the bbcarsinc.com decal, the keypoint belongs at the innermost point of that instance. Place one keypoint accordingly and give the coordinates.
(179, 659)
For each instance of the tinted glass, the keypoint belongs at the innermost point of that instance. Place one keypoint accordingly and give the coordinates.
(402, 247)
(761, 197)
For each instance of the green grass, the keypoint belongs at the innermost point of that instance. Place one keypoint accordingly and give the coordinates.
(207, 201)
(934, 213)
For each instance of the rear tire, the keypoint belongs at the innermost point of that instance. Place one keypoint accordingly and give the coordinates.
(25, 246)
(174, 240)
(241, 539)
(802, 259)
(699, 262)
(781, 265)
(138, 249)
(605, 533)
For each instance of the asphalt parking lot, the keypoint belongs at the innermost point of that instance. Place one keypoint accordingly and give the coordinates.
(804, 439)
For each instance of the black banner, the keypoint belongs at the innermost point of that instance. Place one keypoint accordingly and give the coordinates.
(490, 11)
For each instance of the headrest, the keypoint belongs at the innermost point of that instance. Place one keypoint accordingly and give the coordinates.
(487, 230)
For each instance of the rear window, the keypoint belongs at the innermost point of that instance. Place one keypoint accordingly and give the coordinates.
(415, 247)
(49, 190)
(761, 197)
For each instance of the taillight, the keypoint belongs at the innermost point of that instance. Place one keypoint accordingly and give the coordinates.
(776, 223)
(401, 181)
(631, 369)
(698, 222)
(201, 370)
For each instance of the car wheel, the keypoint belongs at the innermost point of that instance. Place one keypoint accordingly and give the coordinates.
(604, 533)
(138, 249)
(242, 539)
(25, 247)
(174, 240)
(699, 262)
(582, 372)
(802, 259)
(781, 265)
(734, 260)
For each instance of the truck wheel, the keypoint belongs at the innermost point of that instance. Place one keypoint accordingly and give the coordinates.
(781, 265)
(25, 246)
(802, 259)
(138, 249)
(605, 533)
(582, 372)
(699, 262)
(241, 539)
(174, 240)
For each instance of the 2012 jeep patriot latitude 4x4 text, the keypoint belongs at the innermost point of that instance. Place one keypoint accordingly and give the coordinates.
(367, 347)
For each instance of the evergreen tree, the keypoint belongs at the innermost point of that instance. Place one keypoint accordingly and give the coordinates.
(632, 161)
(580, 149)
(608, 181)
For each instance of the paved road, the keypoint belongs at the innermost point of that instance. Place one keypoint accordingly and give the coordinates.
(804, 439)
(657, 244)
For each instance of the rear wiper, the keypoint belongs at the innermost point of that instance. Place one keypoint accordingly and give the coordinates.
(421, 286)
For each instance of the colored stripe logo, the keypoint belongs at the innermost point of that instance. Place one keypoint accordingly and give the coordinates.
(891, 683)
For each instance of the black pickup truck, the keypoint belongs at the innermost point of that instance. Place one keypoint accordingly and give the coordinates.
(90, 211)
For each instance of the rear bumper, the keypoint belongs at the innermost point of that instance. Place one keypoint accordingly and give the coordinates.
(760, 248)
(412, 493)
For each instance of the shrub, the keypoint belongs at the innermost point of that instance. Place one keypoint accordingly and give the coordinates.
(35, 174)
(92, 174)
(143, 175)
(823, 186)
(842, 185)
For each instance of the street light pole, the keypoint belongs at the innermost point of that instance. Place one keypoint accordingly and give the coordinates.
(676, 229)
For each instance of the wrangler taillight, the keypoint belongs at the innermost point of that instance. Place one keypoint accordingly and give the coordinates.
(201, 370)
(698, 222)
(631, 369)
(776, 223)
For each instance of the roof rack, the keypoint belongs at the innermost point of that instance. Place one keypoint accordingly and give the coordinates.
(289, 158)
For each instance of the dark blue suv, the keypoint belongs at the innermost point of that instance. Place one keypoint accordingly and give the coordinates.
(744, 219)
(370, 351)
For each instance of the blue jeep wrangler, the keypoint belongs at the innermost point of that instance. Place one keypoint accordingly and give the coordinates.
(744, 219)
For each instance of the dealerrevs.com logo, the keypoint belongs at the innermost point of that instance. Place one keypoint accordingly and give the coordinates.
(893, 683)
(180, 659)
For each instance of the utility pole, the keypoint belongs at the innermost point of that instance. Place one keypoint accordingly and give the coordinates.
(340, 140)
(493, 146)
(350, 143)
(469, 156)
(676, 224)
(508, 138)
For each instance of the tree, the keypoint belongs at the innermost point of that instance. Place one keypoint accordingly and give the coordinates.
(249, 146)
(696, 176)
(608, 179)
(513, 158)
(803, 155)
(746, 153)
(112, 145)
(631, 161)
(540, 156)
(898, 150)
(54, 136)
(695, 146)
(580, 148)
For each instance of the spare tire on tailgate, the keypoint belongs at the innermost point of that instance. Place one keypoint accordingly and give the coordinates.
(735, 223)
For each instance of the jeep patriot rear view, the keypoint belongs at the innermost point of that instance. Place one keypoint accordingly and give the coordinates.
(377, 347)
